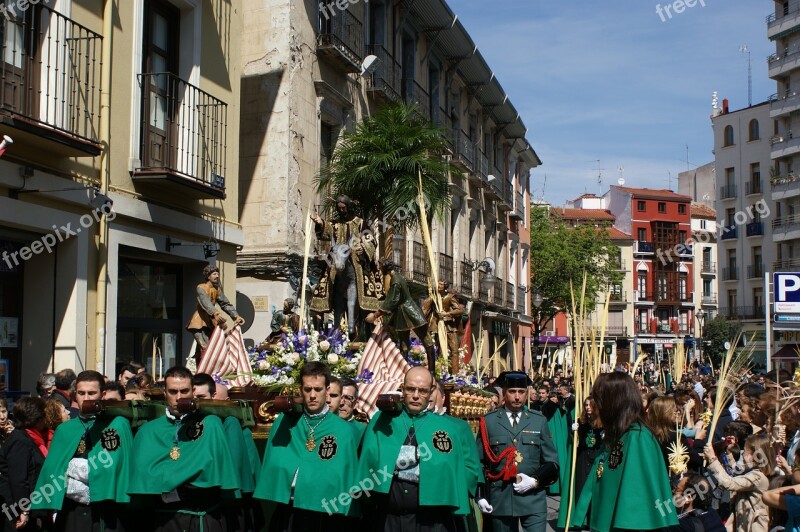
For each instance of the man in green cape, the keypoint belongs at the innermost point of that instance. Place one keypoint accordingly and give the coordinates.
(347, 406)
(189, 476)
(419, 469)
(519, 460)
(309, 463)
(85, 475)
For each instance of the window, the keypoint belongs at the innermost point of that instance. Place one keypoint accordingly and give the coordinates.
(641, 286)
(703, 224)
(730, 177)
(732, 260)
(641, 206)
(706, 256)
(707, 290)
(758, 299)
(682, 237)
(730, 217)
(732, 303)
(641, 234)
(728, 136)
(681, 208)
(752, 130)
(683, 286)
(755, 171)
(662, 207)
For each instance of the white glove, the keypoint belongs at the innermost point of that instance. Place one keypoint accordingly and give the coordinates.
(575, 426)
(485, 507)
(525, 484)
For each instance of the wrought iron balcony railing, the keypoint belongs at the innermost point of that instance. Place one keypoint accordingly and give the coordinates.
(414, 94)
(341, 37)
(386, 80)
(51, 74)
(184, 133)
(445, 268)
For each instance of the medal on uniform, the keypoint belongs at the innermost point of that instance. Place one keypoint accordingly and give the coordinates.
(311, 443)
(599, 470)
(518, 457)
(82, 446)
(590, 439)
(175, 453)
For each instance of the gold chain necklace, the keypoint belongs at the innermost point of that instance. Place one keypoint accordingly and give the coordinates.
(311, 443)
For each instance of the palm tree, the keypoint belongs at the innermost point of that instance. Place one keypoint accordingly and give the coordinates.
(379, 165)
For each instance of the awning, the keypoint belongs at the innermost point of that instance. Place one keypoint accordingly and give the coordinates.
(786, 352)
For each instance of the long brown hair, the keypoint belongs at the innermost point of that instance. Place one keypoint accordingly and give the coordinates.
(660, 417)
(763, 453)
(619, 403)
(594, 421)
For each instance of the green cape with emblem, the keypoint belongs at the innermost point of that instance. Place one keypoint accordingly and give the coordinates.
(633, 480)
(110, 443)
(324, 474)
(448, 456)
(205, 459)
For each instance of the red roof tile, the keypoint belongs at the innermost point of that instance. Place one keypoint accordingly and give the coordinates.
(616, 234)
(701, 210)
(582, 214)
(653, 193)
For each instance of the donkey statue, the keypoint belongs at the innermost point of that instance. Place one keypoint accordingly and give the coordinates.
(343, 289)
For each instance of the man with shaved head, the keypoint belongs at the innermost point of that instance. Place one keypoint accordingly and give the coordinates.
(418, 468)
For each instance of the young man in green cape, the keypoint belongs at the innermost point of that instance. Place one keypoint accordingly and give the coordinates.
(519, 459)
(85, 475)
(309, 463)
(419, 469)
(189, 475)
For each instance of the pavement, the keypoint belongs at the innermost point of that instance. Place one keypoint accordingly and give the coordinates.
(553, 502)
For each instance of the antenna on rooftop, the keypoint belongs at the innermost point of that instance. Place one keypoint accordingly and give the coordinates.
(743, 48)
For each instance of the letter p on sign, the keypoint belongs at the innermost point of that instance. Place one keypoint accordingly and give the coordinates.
(786, 284)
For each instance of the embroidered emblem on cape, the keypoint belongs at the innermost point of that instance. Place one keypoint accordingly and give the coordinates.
(615, 458)
(328, 447)
(442, 441)
(195, 430)
(110, 440)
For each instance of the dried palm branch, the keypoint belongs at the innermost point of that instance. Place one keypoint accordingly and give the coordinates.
(734, 361)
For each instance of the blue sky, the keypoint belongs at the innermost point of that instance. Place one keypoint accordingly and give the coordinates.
(612, 81)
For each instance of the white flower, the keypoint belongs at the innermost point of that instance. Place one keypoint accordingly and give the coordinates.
(324, 345)
(333, 358)
(263, 365)
(295, 358)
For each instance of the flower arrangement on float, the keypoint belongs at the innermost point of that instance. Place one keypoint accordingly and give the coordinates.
(278, 364)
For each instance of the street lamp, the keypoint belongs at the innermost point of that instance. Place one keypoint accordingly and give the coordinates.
(700, 315)
(536, 300)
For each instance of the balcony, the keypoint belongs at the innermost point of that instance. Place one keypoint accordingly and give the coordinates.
(510, 295)
(643, 247)
(414, 94)
(519, 207)
(184, 138)
(727, 191)
(708, 299)
(495, 182)
(753, 187)
(708, 268)
(784, 146)
(730, 274)
(341, 39)
(384, 83)
(616, 330)
(483, 290)
(640, 297)
(782, 22)
(522, 298)
(785, 224)
(782, 62)
(784, 103)
(729, 233)
(51, 83)
(463, 151)
(743, 313)
(420, 266)
(755, 271)
(466, 279)
(786, 265)
(618, 298)
(784, 187)
(445, 268)
(481, 165)
(754, 229)
(497, 292)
